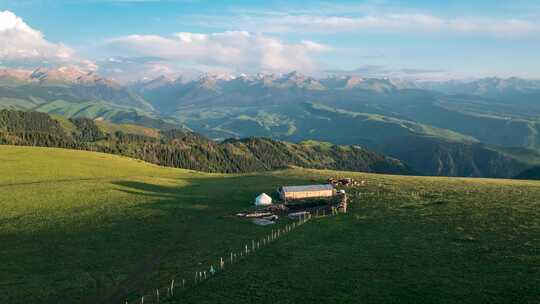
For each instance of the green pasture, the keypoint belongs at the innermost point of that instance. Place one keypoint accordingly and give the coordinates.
(83, 227)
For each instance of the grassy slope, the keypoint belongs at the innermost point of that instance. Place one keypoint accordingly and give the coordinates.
(90, 109)
(304, 121)
(76, 226)
(86, 109)
(111, 128)
(405, 240)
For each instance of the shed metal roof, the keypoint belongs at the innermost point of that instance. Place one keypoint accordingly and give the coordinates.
(307, 188)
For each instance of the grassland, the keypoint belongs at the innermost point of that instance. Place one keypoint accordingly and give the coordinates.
(82, 227)
(404, 240)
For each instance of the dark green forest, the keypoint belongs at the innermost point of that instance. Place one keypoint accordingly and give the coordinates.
(182, 148)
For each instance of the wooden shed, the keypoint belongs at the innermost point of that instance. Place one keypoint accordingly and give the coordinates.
(308, 191)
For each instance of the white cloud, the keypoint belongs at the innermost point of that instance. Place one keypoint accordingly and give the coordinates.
(379, 71)
(277, 22)
(124, 69)
(238, 50)
(21, 44)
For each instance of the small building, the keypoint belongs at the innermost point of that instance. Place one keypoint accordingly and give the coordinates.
(308, 191)
(263, 200)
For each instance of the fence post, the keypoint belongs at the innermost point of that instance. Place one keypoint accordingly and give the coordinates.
(274, 235)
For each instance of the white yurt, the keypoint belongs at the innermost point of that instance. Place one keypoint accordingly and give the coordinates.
(263, 200)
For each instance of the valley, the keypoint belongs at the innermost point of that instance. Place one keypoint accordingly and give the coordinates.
(448, 129)
(182, 148)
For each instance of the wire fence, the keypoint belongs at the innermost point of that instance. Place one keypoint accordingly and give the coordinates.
(178, 285)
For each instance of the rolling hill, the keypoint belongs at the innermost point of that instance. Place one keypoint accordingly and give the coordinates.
(437, 133)
(429, 150)
(69, 84)
(86, 227)
(494, 111)
(184, 149)
(75, 93)
(444, 128)
(420, 148)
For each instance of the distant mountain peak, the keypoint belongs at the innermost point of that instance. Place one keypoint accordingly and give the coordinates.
(215, 77)
(353, 81)
(293, 74)
(67, 74)
(163, 78)
(155, 83)
(298, 80)
(18, 74)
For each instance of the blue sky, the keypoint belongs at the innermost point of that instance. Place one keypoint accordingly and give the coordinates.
(419, 39)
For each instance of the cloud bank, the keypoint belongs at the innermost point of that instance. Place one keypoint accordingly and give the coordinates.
(380, 71)
(20, 44)
(235, 50)
(280, 22)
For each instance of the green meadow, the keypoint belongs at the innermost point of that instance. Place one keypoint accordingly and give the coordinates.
(83, 227)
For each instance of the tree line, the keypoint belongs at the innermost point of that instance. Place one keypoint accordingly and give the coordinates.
(182, 148)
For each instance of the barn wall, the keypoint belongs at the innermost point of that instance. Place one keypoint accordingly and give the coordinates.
(307, 194)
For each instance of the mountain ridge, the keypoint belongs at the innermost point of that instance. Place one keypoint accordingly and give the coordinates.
(379, 114)
(185, 149)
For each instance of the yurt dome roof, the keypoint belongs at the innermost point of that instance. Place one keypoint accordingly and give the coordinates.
(263, 199)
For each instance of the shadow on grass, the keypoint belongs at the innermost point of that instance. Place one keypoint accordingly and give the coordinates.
(151, 188)
(106, 253)
(201, 203)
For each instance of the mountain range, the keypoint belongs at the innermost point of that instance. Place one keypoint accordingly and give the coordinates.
(484, 127)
